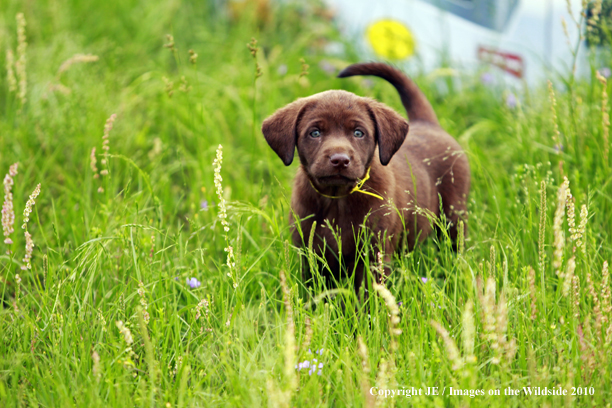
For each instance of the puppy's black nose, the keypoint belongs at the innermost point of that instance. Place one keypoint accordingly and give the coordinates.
(340, 160)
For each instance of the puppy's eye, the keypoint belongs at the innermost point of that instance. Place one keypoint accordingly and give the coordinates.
(358, 133)
(315, 133)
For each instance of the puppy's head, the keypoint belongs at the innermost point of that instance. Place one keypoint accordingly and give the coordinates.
(336, 134)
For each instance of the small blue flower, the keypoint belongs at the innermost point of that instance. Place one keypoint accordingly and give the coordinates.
(605, 72)
(204, 205)
(424, 280)
(193, 283)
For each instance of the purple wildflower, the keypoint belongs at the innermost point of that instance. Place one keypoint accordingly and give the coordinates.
(486, 78)
(311, 366)
(511, 100)
(204, 205)
(424, 280)
(335, 48)
(367, 83)
(282, 69)
(605, 72)
(193, 283)
(327, 67)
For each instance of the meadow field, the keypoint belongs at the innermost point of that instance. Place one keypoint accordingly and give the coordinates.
(151, 267)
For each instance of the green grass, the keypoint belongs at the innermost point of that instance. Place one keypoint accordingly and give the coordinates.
(92, 249)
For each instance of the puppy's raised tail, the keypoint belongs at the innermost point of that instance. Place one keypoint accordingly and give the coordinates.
(416, 104)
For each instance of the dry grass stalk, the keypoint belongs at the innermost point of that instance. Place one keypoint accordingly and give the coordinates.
(495, 318)
(586, 355)
(279, 397)
(143, 302)
(461, 238)
(468, 334)
(605, 116)
(365, 370)
(20, 64)
(382, 380)
(596, 304)
(569, 275)
(581, 230)
(571, 215)
(576, 296)
(553, 108)
(229, 249)
(17, 291)
(452, 351)
(558, 231)
(10, 73)
(97, 371)
(542, 229)
(307, 335)
(606, 306)
(493, 263)
(393, 311)
(533, 294)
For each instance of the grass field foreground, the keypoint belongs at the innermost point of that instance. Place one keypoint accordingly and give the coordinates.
(147, 275)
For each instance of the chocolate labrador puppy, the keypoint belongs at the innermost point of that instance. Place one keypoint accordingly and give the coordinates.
(359, 165)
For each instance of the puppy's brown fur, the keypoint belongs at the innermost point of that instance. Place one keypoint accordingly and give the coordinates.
(339, 136)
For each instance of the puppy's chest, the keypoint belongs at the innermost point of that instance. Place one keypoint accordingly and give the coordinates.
(341, 221)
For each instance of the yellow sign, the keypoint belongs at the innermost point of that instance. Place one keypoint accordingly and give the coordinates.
(391, 39)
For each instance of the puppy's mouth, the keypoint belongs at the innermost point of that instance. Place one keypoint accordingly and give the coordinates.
(335, 180)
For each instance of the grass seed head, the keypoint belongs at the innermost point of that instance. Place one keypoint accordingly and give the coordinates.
(605, 116)
(29, 248)
(108, 126)
(17, 291)
(193, 57)
(10, 72)
(469, 331)
(533, 294)
(596, 304)
(93, 162)
(143, 302)
(569, 275)
(393, 311)
(558, 232)
(605, 292)
(20, 65)
(581, 230)
(553, 108)
(76, 59)
(28, 208)
(542, 229)
(576, 294)
(452, 351)
(127, 334)
(170, 44)
(571, 215)
(8, 212)
(97, 370)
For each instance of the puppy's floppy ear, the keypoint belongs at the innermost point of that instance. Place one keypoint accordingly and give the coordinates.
(280, 130)
(391, 129)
